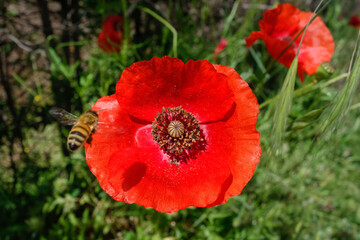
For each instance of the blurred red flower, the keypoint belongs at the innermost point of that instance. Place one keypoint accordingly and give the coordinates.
(176, 135)
(220, 47)
(354, 21)
(111, 36)
(280, 25)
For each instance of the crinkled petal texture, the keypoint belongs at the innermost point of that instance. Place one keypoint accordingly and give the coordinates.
(145, 87)
(280, 25)
(132, 168)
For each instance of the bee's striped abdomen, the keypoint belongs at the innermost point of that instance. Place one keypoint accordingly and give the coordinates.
(77, 136)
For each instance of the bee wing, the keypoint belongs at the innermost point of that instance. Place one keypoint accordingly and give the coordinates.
(109, 129)
(63, 116)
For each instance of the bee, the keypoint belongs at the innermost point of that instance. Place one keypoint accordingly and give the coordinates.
(83, 126)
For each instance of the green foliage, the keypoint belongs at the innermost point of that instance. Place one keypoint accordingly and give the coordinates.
(284, 102)
(308, 191)
(342, 101)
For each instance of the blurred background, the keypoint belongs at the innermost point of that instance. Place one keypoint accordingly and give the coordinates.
(50, 57)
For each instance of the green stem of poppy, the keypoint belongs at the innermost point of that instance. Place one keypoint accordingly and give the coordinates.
(306, 89)
(167, 24)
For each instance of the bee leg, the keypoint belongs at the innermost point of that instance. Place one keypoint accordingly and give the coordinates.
(88, 141)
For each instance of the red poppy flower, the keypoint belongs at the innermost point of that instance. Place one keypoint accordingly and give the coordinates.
(220, 47)
(354, 21)
(280, 25)
(175, 135)
(110, 38)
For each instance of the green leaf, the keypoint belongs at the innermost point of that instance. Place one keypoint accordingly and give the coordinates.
(58, 65)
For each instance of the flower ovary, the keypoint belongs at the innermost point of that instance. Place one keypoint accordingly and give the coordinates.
(176, 131)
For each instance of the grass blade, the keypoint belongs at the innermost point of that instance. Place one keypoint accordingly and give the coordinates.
(24, 84)
(230, 18)
(340, 105)
(284, 103)
(311, 87)
(166, 24)
(287, 90)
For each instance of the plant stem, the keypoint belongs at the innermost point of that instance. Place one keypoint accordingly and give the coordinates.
(125, 45)
(167, 24)
(355, 106)
(306, 89)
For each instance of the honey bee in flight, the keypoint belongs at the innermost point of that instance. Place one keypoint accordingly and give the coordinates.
(83, 126)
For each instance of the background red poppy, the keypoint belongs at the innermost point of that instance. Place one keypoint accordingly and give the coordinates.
(280, 25)
(354, 21)
(220, 47)
(110, 38)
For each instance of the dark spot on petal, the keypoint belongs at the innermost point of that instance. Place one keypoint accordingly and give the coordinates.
(133, 175)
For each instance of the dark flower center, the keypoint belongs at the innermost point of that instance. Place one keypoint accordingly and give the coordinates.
(285, 38)
(288, 39)
(178, 134)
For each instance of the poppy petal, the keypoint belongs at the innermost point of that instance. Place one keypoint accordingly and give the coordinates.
(146, 87)
(281, 21)
(103, 44)
(254, 36)
(145, 175)
(110, 25)
(114, 132)
(301, 74)
(110, 38)
(354, 21)
(318, 44)
(241, 130)
(276, 47)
